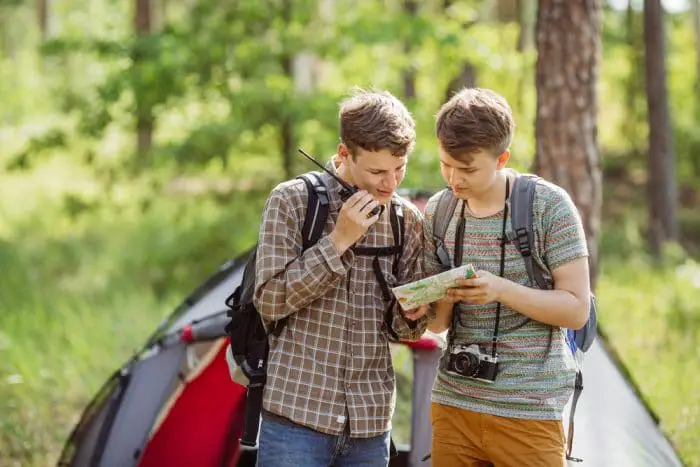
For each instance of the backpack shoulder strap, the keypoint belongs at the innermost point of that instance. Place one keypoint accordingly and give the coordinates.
(397, 220)
(521, 219)
(317, 208)
(447, 203)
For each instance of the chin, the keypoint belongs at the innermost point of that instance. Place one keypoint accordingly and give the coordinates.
(383, 196)
(461, 194)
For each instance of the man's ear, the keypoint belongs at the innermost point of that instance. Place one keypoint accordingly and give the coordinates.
(503, 160)
(343, 153)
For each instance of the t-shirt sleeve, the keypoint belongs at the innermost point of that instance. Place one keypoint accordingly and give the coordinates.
(564, 239)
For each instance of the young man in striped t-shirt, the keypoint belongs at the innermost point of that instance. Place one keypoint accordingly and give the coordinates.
(513, 416)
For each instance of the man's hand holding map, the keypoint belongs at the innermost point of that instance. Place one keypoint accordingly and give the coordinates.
(431, 288)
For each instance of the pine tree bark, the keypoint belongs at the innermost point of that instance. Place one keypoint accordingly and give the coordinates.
(635, 98)
(695, 8)
(467, 74)
(145, 122)
(286, 125)
(568, 45)
(43, 12)
(663, 192)
(526, 17)
(410, 8)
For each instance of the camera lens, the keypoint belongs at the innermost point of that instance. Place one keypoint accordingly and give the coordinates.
(466, 363)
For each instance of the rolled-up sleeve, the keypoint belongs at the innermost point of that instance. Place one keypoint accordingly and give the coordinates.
(288, 279)
(410, 269)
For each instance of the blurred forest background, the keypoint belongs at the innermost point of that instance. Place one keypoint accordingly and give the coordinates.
(138, 141)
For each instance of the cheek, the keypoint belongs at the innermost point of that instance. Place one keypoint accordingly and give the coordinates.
(444, 172)
(400, 176)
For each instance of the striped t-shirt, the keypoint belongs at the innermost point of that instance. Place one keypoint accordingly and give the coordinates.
(536, 368)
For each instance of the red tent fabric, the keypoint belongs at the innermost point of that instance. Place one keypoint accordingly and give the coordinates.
(203, 426)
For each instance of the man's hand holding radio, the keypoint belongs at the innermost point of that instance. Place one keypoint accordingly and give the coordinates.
(353, 220)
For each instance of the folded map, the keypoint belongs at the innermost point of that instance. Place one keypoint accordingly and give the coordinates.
(431, 288)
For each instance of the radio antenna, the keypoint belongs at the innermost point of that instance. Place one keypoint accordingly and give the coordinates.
(345, 184)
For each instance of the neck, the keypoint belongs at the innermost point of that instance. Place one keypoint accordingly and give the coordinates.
(492, 199)
(342, 171)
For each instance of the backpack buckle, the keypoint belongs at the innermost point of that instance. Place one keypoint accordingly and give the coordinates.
(442, 254)
(523, 241)
(322, 193)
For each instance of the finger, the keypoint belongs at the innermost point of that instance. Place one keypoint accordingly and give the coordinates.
(368, 205)
(356, 198)
(475, 282)
(417, 313)
(449, 299)
(464, 294)
(481, 300)
(370, 220)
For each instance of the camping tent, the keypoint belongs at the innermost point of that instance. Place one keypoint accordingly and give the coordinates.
(174, 404)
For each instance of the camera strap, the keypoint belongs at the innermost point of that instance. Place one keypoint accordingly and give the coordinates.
(501, 272)
(459, 246)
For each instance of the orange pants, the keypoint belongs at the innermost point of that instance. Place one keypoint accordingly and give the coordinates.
(469, 439)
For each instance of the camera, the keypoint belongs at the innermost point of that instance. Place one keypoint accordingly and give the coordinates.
(470, 362)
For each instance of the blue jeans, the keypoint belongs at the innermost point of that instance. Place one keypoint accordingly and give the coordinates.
(286, 444)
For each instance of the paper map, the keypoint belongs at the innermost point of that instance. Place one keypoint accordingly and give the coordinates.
(431, 288)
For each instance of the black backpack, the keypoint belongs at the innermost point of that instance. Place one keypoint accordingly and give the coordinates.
(248, 335)
(522, 233)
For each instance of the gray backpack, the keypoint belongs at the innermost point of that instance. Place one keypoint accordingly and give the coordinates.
(522, 233)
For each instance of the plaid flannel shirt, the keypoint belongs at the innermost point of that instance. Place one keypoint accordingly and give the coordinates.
(331, 365)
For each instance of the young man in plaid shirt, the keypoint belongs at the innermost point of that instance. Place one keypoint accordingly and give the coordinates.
(330, 390)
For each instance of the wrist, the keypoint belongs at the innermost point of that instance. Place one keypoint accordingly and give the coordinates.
(340, 245)
(503, 289)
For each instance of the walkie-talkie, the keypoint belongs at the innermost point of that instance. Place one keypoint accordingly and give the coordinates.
(348, 190)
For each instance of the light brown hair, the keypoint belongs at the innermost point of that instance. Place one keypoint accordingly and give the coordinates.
(473, 120)
(376, 120)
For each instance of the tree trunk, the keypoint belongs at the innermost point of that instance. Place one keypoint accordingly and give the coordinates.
(526, 18)
(144, 113)
(568, 46)
(635, 101)
(695, 8)
(6, 42)
(527, 13)
(410, 8)
(43, 13)
(286, 126)
(286, 129)
(663, 196)
(467, 74)
(507, 10)
(465, 79)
